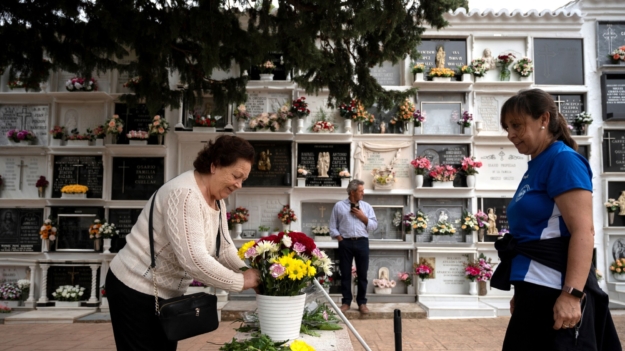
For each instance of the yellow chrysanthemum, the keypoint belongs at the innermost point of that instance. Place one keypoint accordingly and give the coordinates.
(74, 189)
(300, 345)
(244, 248)
(311, 271)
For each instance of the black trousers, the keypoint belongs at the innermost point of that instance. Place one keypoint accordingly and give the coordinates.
(531, 324)
(135, 325)
(357, 250)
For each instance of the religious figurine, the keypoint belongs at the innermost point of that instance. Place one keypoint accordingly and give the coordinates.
(323, 164)
(621, 202)
(264, 162)
(492, 225)
(443, 217)
(382, 127)
(489, 60)
(440, 57)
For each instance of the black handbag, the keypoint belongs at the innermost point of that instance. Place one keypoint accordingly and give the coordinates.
(187, 315)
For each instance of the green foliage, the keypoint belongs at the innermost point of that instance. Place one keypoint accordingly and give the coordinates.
(333, 43)
(259, 342)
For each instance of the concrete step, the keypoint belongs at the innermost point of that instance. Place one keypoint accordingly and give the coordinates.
(447, 310)
(50, 315)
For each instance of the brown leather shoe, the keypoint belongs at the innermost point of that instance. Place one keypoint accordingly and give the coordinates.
(344, 308)
(363, 309)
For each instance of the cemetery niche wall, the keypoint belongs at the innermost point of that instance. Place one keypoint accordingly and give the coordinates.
(19, 229)
(136, 118)
(444, 154)
(73, 227)
(83, 170)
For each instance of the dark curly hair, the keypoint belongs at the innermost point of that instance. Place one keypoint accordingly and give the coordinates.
(223, 152)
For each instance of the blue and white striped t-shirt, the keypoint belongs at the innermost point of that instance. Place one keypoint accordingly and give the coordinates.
(533, 213)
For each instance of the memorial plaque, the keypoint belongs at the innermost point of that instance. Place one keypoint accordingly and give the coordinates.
(137, 118)
(264, 209)
(71, 275)
(11, 274)
(387, 230)
(610, 36)
(395, 155)
(613, 96)
(616, 248)
(569, 106)
(613, 150)
(124, 219)
(325, 161)
(455, 52)
(616, 191)
(551, 69)
(584, 150)
(19, 229)
(272, 165)
(498, 206)
(441, 209)
(83, 170)
(33, 118)
(442, 117)
(81, 116)
(73, 227)
(137, 178)
(385, 116)
(279, 73)
(395, 260)
(20, 175)
(387, 73)
(503, 167)
(262, 101)
(487, 109)
(315, 214)
(206, 107)
(448, 154)
(449, 277)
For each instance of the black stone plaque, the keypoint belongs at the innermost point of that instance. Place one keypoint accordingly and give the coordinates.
(448, 154)
(499, 207)
(455, 52)
(19, 229)
(613, 150)
(279, 73)
(584, 150)
(615, 190)
(272, 164)
(610, 35)
(551, 68)
(308, 156)
(383, 116)
(137, 178)
(83, 170)
(73, 227)
(613, 96)
(136, 118)
(569, 105)
(387, 74)
(71, 275)
(124, 219)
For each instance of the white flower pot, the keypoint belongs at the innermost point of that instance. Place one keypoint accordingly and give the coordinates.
(241, 126)
(348, 126)
(377, 186)
(67, 304)
(11, 303)
(56, 142)
(300, 125)
(471, 181)
(418, 178)
(17, 90)
(238, 229)
(266, 76)
(344, 182)
(45, 245)
(526, 79)
(480, 235)
(611, 217)
(137, 142)
(107, 245)
(323, 238)
(77, 143)
(408, 128)
(286, 227)
(423, 286)
(441, 79)
(480, 79)
(264, 234)
(473, 288)
(274, 322)
(443, 238)
(104, 303)
(301, 182)
(418, 77)
(479, 126)
(449, 184)
(418, 130)
(386, 291)
(73, 196)
(99, 142)
(467, 130)
(205, 129)
(619, 277)
(287, 126)
(467, 77)
(21, 143)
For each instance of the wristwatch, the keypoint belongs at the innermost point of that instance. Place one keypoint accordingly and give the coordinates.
(571, 290)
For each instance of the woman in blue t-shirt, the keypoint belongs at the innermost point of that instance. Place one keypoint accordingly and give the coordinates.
(548, 252)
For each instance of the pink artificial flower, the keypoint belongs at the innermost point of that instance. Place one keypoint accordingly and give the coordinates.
(251, 252)
(276, 270)
(299, 248)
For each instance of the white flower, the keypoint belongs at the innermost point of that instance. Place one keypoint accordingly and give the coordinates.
(286, 240)
(80, 293)
(78, 85)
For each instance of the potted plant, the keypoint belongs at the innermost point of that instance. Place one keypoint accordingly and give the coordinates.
(443, 176)
(98, 133)
(618, 269)
(479, 68)
(287, 262)
(405, 114)
(468, 223)
(287, 216)
(406, 278)
(321, 233)
(618, 55)
(242, 116)
(612, 206)
(58, 134)
(41, 185)
(504, 61)
(108, 231)
(47, 233)
(263, 230)
(345, 177)
(94, 234)
(74, 191)
(581, 123)
(68, 296)
(418, 118)
(383, 178)
(159, 127)
(472, 271)
(137, 137)
(442, 231)
(486, 273)
(524, 67)
(322, 125)
(299, 109)
(383, 286)
(424, 270)
(441, 74)
(75, 139)
(10, 295)
(114, 127)
(469, 168)
(265, 122)
(238, 216)
(422, 166)
(349, 111)
(81, 84)
(420, 222)
(465, 122)
(465, 72)
(482, 223)
(20, 137)
(417, 70)
(266, 70)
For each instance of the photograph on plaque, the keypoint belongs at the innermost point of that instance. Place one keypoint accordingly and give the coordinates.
(71, 275)
(616, 191)
(441, 117)
(83, 170)
(495, 208)
(137, 118)
(137, 178)
(389, 223)
(382, 124)
(613, 151)
(570, 105)
(20, 175)
(279, 72)
(551, 69)
(73, 232)
(387, 73)
(124, 219)
(448, 210)
(272, 166)
(447, 154)
(613, 96)
(19, 229)
(614, 250)
(324, 161)
(610, 36)
(33, 118)
(448, 53)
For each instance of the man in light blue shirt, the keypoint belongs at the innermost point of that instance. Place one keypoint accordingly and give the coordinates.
(350, 223)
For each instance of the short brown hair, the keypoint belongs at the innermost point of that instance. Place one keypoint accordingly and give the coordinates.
(223, 152)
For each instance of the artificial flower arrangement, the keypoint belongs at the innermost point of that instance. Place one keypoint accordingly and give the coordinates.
(114, 125)
(405, 112)
(582, 120)
(48, 230)
(284, 112)
(321, 230)
(98, 132)
(470, 165)
(618, 54)
(94, 229)
(441, 72)
(468, 222)
(137, 135)
(287, 262)
(464, 69)
(322, 125)
(344, 174)
(486, 268)
(302, 171)
(418, 68)
(418, 117)
(472, 271)
(159, 126)
(78, 84)
(42, 182)
(383, 176)
(57, 132)
(443, 228)
(74, 134)
(265, 121)
(10, 291)
(479, 67)
(325, 281)
(618, 266)
(405, 278)
(241, 113)
(524, 67)
(5, 309)
(204, 121)
(505, 60)
(361, 113)
(132, 82)
(16, 135)
(369, 120)
(287, 215)
(299, 108)
(421, 165)
(466, 119)
(384, 283)
(68, 293)
(348, 110)
(482, 219)
(612, 205)
(239, 215)
(16, 84)
(266, 67)
(74, 189)
(420, 222)
(443, 173)
(108, 230)
(405, 220)
(424, 270)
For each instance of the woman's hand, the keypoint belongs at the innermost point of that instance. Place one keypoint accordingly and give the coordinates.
(566, 312)
(251, 278)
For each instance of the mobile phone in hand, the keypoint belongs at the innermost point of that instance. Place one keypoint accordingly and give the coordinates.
(354, 206)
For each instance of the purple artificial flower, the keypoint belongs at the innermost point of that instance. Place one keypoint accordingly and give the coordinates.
(21, 135)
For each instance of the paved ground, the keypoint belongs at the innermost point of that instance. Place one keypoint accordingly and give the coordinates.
(418, 334)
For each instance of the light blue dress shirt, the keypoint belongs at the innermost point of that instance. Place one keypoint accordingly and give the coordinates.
(347, 225)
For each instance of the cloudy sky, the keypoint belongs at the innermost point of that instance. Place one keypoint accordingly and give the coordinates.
(524, 5)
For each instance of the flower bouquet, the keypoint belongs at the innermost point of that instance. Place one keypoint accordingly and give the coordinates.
(74, 191)
(405, 112)
(421, 165)
(239, 215)
(18, 136)
(325, 281)
(10, 292)
(302, 171)
(58, 132)
(470, 165)
(344, 174)
(383, 178)
(420, 222)
(132, 82)
(383, 286)
(16, 84)
(465, 121)
(618, 269)
(68, 293)
(348, 110)
(98, 132)
(241, 113)
(114, 126)
(138, 137)
(443, 175)
(323, 127)
(505, 60)
(486, 268)
(418, 68)
(612, 205)
(441, 73)
(76, 139)
(479, 67)
(419, 118)
(472, 271)
(47, 230)
(204, 121)
(582, 121)
(265, 121)
(369, 121)
(299, 108)
(464, 69)
(81, 84)
(404, 221)
(287, 215)
(94, 229)
(405, 278)
(524, 67)
(267, 67)
(41, 185)
(468, 222)
(158, 127)
(424, 270)
(443, 228)
(108, 230)
(618, 54)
